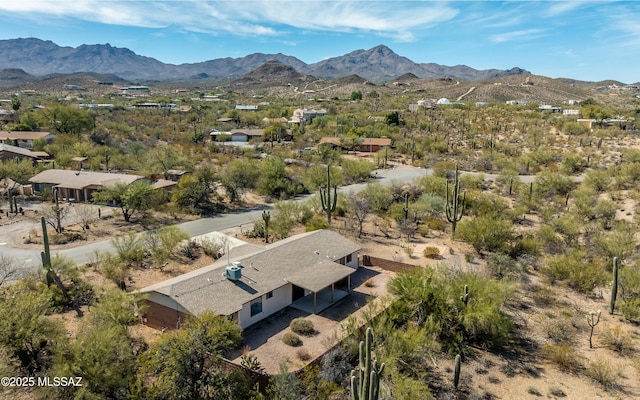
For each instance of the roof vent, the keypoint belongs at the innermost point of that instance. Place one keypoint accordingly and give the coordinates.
(233, 272)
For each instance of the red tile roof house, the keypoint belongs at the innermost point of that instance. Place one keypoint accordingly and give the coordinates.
(310, 271)
(25, 139)
(78, 186)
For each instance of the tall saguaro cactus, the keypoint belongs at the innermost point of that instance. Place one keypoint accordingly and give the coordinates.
(455, 205)
(51, 276)
(406, 206)
(329, 204)
(456, 371)
(465, 295)
(368, 385)
(266, 217)
(614, 285)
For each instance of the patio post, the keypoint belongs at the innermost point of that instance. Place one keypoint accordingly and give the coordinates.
(314, 302)
(333, 286)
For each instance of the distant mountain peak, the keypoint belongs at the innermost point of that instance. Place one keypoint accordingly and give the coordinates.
(377, 64)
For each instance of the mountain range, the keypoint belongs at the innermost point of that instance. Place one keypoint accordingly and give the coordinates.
(378, 64)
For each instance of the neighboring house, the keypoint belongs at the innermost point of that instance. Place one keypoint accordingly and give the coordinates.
(8, 116)
(303, 114)
(8, 152)
(245, 107)
(74, 185)
(245, 135)
(571, 112)
(310, 271)
(25, 139)
(365, 145)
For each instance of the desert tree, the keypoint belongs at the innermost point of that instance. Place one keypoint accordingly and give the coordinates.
(186, 364)
(131, 198)
(360, 208)
(26, 332)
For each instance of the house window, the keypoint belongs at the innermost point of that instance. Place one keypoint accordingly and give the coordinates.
(269, 294)
(256, 306)
(348, 258)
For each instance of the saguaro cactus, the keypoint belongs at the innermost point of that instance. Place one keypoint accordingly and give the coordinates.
(329, 204)
(454, 206)
(456, 371)
(614, 285)
(266, 217)
(465, 296)
(406, 206)
(368, 386)
(51, 276)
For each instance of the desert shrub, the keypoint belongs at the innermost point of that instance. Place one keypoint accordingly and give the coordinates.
(576, 271)
(317, 222)
(436, 224)
(532, 390)
(550, 184)
(212, 248)
(335, 365)
(557, 391)
(486, 233)
(502, 266)
(526, 245)
(431, 298)
(431, 252)
(251, 362)
(602, 372)
(303, 355)
(598, 180)
(617, 339)
(559, 330)
(302, 326)
(563, 355)
(291, 339)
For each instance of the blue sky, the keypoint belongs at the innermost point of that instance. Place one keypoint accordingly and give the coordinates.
(583, 39)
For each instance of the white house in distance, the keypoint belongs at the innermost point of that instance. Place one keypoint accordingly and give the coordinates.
(310, 271)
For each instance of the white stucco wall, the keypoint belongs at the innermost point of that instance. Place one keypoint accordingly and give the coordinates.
(281, 298)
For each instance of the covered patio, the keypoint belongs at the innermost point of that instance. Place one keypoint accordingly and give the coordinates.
(319, 301)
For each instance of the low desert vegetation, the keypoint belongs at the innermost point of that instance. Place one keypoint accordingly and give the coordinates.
(534, 206)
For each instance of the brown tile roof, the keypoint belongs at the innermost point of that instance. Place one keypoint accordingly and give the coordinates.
(305, 260)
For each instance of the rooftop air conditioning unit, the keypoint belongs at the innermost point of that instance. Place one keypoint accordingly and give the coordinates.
(234, 272)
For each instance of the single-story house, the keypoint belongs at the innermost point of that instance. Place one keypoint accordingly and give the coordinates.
(306, 115)
(8, 152)
(310, 271)
(25, 139)
(74, 185)
(365, 145)
(245, 135)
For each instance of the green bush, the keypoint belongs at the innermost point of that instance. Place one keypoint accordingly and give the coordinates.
(302, 326)
(502, 266)
(486, 233)
(577, 271)
(316, 222)
(431, 252)
(430, 299)
(563, 355)
(291, 339)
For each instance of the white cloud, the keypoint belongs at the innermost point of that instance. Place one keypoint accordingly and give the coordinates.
(525, 34)
(260, 17)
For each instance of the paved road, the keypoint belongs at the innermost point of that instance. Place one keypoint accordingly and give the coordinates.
(29, 260)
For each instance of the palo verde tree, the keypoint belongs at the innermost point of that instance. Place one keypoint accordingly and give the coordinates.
(132, 197)
(186, 364)
(68, 119)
